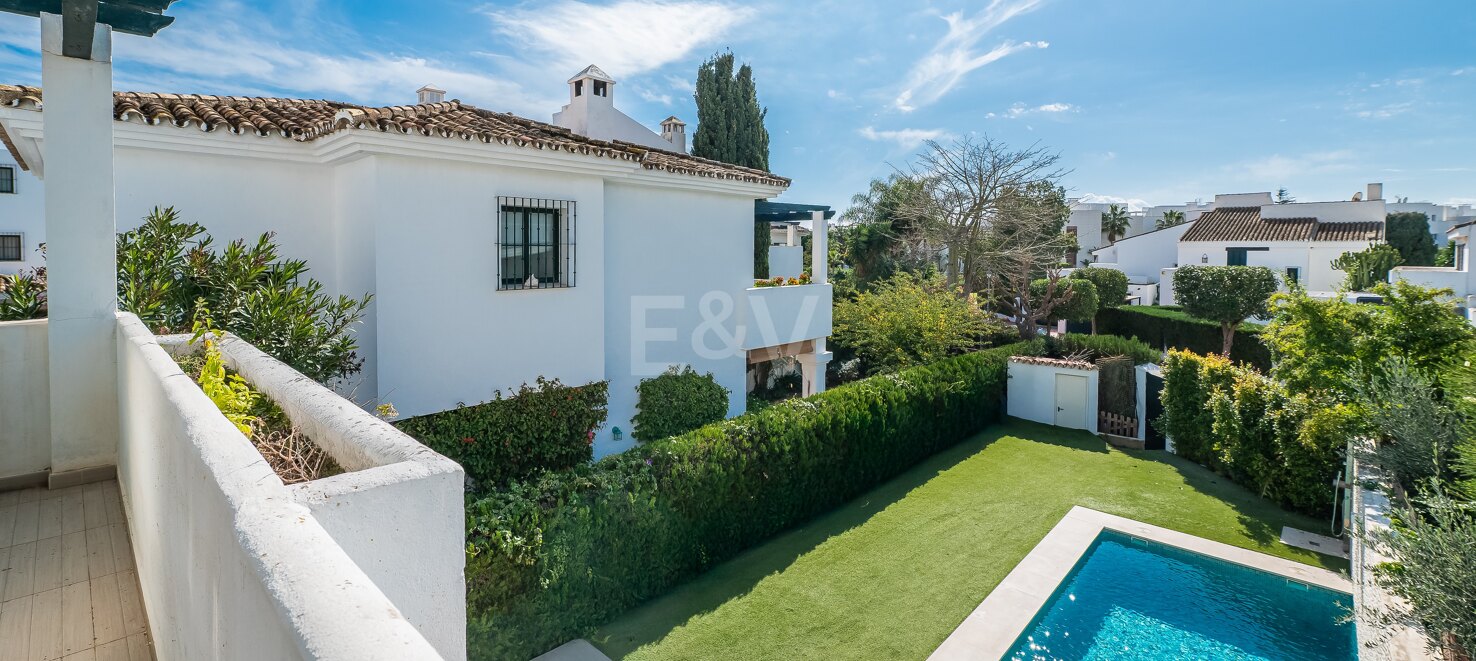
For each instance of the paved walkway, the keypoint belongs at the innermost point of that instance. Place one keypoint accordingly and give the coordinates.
(68, 587)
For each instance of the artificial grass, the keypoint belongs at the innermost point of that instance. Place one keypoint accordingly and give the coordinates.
(891, 574)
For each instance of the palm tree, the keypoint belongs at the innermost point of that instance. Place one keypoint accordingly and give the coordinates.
(1171, 218)
(1115, 222)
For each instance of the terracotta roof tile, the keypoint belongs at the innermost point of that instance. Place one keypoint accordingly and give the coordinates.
(305, 120)
(1246, 224)
(1053, 362)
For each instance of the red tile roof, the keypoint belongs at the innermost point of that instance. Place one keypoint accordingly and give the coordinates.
(304, 120)
(1246, 224)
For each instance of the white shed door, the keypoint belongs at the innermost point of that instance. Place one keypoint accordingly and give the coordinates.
(1071, 404)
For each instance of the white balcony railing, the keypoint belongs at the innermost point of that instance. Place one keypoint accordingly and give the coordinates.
(775, 316)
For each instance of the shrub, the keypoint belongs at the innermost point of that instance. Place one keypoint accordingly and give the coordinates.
(677, 402)
(1111, 284)
(551, 558)
(1102, 346)
(1434, 572)
(1252, 429)
(1368, 267)
(167, 269)
(911, 319)
(1076, 300)
(1168, 327)
(23, 295)
(545, 426)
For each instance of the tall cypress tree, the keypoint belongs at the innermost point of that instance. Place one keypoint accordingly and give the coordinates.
(730, 121)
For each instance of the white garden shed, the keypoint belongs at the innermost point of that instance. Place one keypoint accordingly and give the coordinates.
(1053, 391)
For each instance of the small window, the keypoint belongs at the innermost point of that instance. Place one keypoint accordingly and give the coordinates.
(10, 248)
(1293, 275)
(535, 243)
(578, 88)
(601, 88)
(7, 178)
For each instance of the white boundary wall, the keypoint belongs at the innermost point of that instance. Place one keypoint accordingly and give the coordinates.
(25, 400)
(231, 564)
(1376, 641)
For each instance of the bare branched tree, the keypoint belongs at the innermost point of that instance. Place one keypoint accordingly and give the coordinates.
(997, 215)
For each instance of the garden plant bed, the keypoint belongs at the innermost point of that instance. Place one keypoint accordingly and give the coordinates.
(293, 455)
(890, 574)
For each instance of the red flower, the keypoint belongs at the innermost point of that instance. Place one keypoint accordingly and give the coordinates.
(468, 439)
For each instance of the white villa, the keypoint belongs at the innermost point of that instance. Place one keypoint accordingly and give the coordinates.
(22, 217)
(1298, 240)
(498, 249)
(1458, 277)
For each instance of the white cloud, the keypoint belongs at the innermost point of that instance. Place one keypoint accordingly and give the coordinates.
(955, 55)
(1386, 111)
(1020, 110)
(663, 99)
(1277, 167)
(681, 84)
(625, 38)
(230, 48)
(905, 138)
(1132, 203)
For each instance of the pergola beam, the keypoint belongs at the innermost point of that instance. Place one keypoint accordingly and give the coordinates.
(140, 17)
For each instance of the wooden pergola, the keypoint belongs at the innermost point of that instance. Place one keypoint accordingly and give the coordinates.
(140, 17)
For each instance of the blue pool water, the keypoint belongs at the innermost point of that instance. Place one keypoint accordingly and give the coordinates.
(1132, 599)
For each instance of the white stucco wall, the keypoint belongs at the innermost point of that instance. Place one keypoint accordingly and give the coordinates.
(23, 211)
(1141, 257)
(786, 261)
(781, 315)
(230, 566)
(1031, 394)
(676, 311)
(25, 412)
(399, 512)
(445, 333)
(1314, 258)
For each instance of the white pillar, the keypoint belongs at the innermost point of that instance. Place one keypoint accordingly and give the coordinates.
(77, 148)
(812, 365)
(791, 235)
(819, 248)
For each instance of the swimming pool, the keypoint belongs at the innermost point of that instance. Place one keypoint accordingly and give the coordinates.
(1132, 598)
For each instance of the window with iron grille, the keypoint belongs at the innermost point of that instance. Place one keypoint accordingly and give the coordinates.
(7, 178)
(535, 243)
(10, 248)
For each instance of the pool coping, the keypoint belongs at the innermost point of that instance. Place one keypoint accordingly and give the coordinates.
(991, 630)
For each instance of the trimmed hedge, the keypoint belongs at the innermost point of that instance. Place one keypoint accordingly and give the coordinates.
(546, 426)
(1102, 346)
(1252, 429)
(1169, 327)
(551, 559)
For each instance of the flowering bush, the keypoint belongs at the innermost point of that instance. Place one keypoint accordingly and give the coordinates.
(545, 426)
(780, 281)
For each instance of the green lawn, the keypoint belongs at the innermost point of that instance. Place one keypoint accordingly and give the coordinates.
(889, 575)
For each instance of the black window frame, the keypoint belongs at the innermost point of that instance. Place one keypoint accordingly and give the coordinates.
(20, 246)
(7, 179)
(1294, 274)
(1243, 252)
(556, 247)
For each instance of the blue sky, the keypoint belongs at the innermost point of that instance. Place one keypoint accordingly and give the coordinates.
(1157, 101)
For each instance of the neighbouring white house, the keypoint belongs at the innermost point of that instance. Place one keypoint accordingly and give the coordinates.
(498, 248)
(1458, 278)
(1442, 217)
(1298, 240)
(22, 217)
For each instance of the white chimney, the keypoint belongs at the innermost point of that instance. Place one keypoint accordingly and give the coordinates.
(1375, 192)
(674, 130)
(430, 94)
